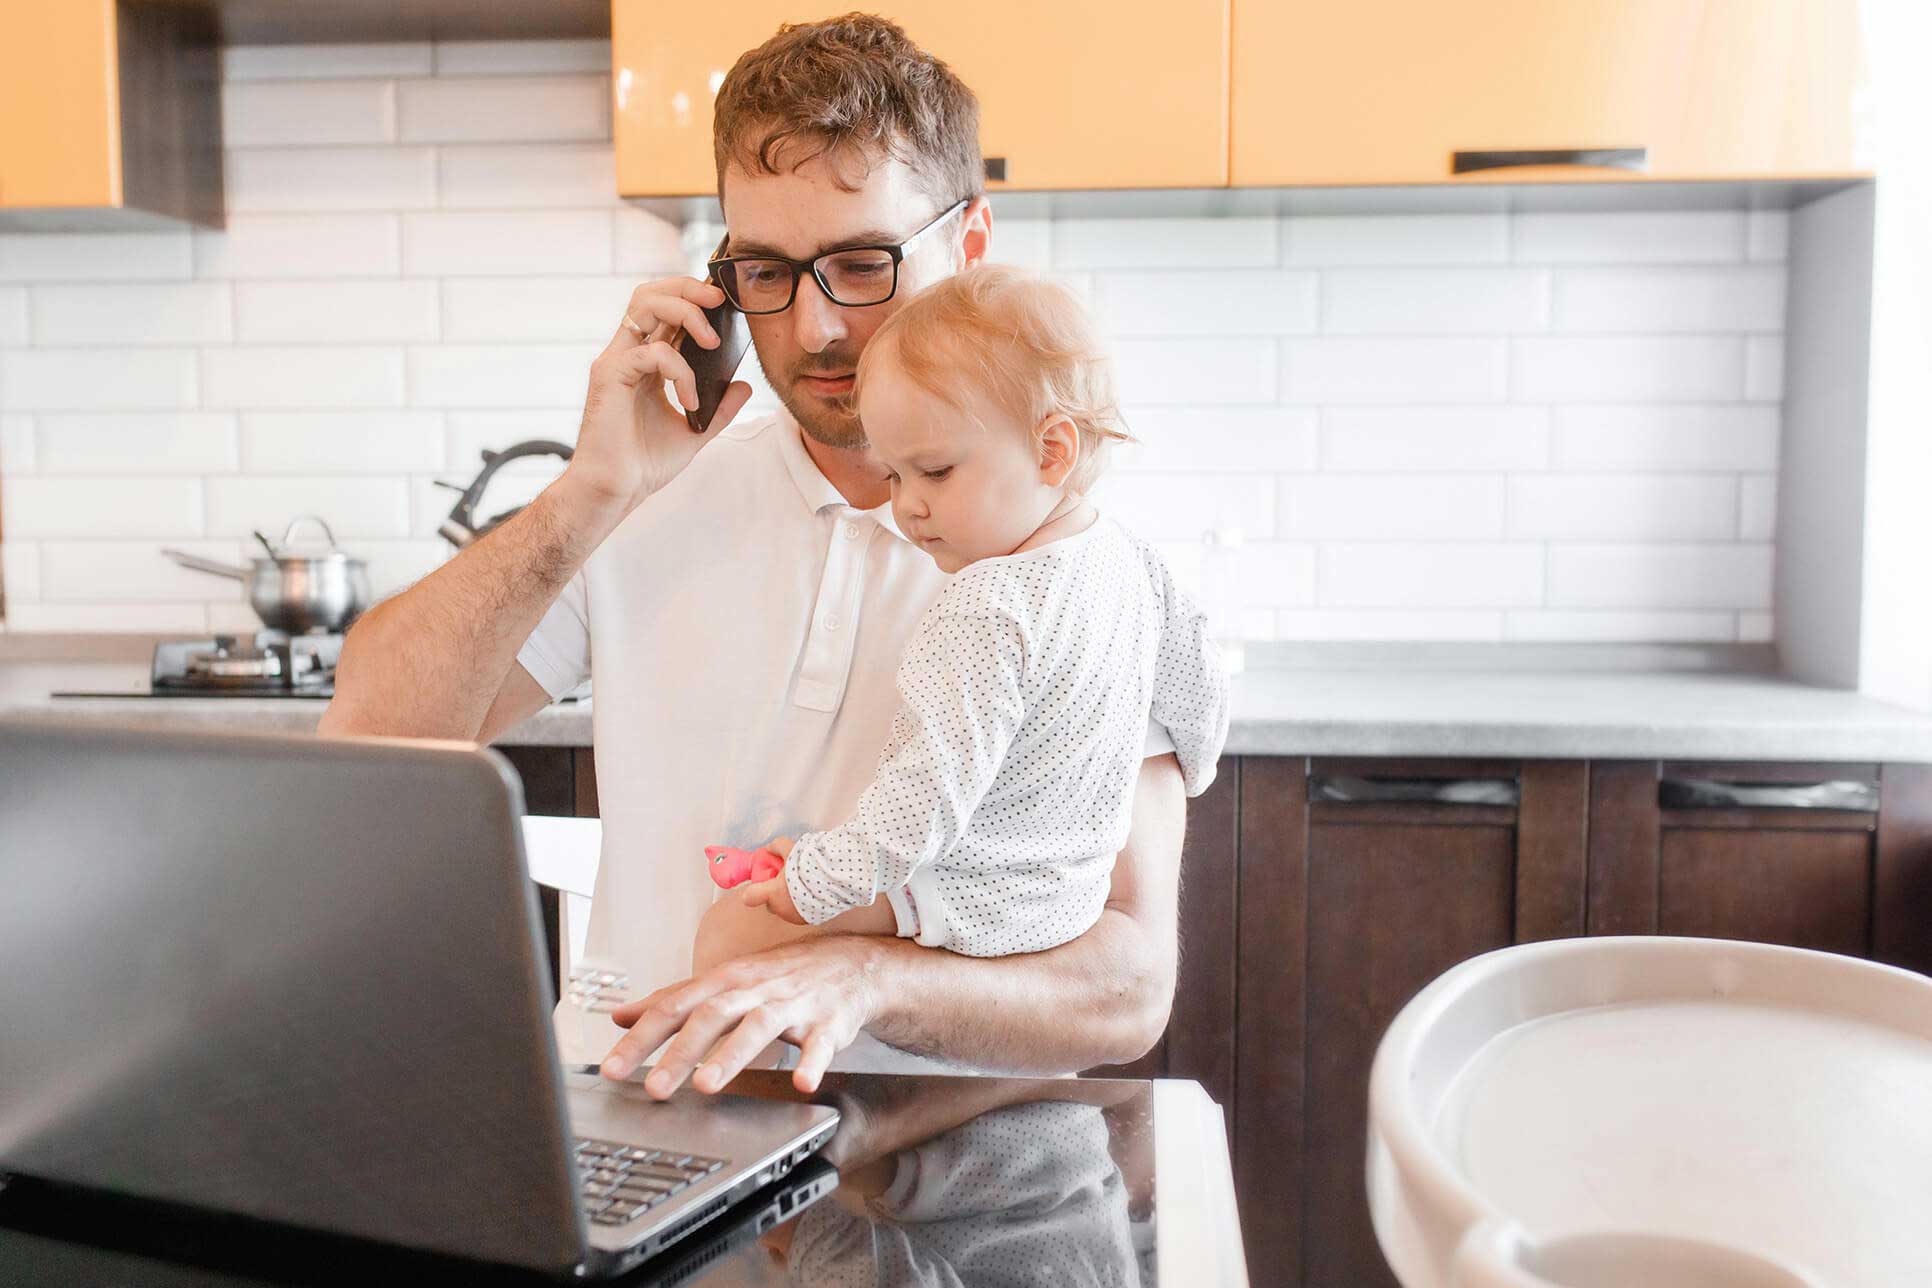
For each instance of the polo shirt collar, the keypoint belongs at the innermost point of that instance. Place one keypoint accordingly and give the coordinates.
(813, 487)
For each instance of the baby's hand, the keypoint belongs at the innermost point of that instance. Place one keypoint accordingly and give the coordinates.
(774, 898)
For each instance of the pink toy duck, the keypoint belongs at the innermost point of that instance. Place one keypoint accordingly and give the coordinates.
(731, 867)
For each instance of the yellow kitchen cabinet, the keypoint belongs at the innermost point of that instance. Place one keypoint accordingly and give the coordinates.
(109, 114)
(1073, 94)
(1390, 91)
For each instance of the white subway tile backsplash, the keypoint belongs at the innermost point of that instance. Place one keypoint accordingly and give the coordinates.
(352, 507)
(1630, 237)
(78, 379)
(277, 113)
(13, 316)
(39, 509)
(1758, 508)
(1566, 626)
(486, 375)
(535, 308)
(19, 572)
(425, 251)
(107, 619)
(1388, 624)
(1382, 507)
(1242, 242)
(1767, 235)
(137, 443)
(521, 57)
(308, 179)
(1396, 239)
(1660, 576)
(135, 572)
(1023, 243)
(1455, 575)
(302, 377)
(1181, 507)
(1667, 438)
(90, 257)
(645, 243)
(528, 175)
(1480, 301)
(1628, 369)
(1671, 299)
(1395, 371)
(1226, 439)
(134, 313)
(1448, 440)
(1764, 368)
(1207, 302)
(1623, 507)
(332, 245)
(336, 311)
(502, 109)
(298, 62)
(17, 455)
(1189, 371)
(397, 442)
(478, 244)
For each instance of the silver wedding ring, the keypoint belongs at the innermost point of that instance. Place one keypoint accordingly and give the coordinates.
(633, 326)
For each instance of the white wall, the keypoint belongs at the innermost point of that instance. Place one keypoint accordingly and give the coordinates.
(1539, 426)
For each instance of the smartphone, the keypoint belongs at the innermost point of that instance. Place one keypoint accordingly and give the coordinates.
(714, 368)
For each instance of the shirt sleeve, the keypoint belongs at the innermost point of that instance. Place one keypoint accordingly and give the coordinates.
(557, 654)
(961, 703)
(1190, 683)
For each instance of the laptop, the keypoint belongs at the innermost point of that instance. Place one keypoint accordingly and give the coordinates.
(303, 980)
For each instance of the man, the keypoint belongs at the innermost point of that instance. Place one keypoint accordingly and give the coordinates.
(746, 606)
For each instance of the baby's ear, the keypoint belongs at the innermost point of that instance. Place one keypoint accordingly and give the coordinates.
(1059, 440)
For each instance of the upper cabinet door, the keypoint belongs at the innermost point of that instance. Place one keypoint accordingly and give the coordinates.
(60, 115)
(1389, 91)
(1075, 94)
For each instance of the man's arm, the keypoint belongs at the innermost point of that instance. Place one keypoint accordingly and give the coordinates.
(1102, 998)
(437, 660)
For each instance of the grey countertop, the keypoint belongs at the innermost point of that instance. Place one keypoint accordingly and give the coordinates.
(1460, 710)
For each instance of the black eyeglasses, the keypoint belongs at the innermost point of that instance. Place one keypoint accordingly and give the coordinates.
(854, 277)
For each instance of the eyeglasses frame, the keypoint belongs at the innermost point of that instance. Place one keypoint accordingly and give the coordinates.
(800, 267)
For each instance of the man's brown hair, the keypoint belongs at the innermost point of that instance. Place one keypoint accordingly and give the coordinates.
(853, 89)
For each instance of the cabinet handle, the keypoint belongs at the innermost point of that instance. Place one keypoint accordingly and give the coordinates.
(1617, 158)
(1351, 790)
(1712, 793)
(996, 169)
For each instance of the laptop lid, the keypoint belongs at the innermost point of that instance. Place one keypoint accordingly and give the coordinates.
(283, 976)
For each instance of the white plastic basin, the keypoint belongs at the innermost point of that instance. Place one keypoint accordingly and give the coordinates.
(1656, 1112)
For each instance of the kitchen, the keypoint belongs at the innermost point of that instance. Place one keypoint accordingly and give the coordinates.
(1564, 520)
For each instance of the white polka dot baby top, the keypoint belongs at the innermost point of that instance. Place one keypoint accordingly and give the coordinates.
(1007, 785)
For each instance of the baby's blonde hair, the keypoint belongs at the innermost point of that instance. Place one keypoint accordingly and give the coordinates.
(1023, 342)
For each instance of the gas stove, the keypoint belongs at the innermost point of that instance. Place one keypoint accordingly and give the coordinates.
(271, 665)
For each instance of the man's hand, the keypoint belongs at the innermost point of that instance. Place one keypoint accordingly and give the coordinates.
(632, 440)
(816, 994)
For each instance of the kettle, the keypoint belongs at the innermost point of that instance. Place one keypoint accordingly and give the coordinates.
(461, 527)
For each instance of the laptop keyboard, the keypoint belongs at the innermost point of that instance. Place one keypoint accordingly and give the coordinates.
(622, 1182)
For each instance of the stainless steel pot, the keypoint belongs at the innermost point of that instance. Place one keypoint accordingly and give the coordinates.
(297, 593)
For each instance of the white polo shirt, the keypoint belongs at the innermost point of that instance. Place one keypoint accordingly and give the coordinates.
(744, 624)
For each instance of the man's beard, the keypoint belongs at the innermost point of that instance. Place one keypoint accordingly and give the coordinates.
(833, 424)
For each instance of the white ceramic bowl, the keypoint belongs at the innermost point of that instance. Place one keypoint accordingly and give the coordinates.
(1656, 1112)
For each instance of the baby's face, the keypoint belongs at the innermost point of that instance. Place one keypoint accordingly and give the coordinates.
(961, 490)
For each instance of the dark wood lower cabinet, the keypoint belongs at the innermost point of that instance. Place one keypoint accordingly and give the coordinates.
(1309, 919)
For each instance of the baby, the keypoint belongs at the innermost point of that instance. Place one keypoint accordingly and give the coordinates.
(1007, 785)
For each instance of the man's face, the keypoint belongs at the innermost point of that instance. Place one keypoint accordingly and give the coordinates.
(810, 351)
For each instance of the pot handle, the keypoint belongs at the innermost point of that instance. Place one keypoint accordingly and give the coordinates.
(214, 566)
(301, 519)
